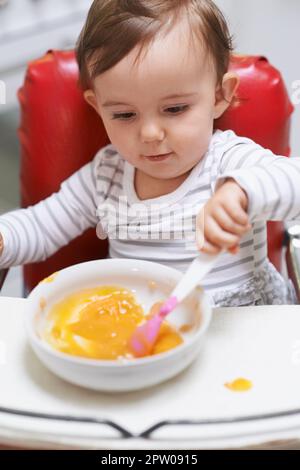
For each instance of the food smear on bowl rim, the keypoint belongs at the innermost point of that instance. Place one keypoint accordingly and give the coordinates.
(50, 278)
(42, 303)
(96, 323)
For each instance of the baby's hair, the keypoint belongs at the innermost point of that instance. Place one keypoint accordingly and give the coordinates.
(114, 27)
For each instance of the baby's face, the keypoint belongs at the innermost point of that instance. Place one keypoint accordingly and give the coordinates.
(141, 116)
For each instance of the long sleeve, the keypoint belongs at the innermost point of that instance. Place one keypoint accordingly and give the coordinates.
(271, 182)
(35, 233)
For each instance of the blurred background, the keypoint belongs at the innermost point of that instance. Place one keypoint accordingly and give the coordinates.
(28, 28)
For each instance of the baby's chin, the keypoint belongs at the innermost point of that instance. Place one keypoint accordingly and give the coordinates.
(163, 171)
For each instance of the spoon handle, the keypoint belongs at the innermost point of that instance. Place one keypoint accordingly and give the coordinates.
(197, 270)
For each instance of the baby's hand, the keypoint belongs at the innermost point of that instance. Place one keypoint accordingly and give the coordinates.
(223, 220)
(1, 244)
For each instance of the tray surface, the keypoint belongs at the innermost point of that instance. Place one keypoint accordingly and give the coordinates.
(193, 410)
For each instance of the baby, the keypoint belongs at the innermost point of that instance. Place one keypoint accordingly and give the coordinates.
(169, 184)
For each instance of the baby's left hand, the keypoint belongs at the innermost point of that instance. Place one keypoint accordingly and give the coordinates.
(223, 220)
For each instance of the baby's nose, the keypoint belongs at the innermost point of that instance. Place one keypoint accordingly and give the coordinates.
(152, 132)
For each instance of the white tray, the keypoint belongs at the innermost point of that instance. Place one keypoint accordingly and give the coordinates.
(192, 411)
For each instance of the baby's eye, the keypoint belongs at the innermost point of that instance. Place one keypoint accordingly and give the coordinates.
(177, 109)
(122, 116)
(171, 110)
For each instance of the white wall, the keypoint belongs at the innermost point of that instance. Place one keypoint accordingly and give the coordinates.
(27, 30)
(270, 28)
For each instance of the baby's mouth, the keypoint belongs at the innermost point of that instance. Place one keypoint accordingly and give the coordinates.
(158, 158)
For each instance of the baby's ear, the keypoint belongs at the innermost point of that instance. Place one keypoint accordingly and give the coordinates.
(225, 93)
(91, 99)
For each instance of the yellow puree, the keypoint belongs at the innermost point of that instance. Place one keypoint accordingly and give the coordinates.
(98, 322)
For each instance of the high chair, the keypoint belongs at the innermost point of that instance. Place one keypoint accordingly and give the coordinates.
(59, 133)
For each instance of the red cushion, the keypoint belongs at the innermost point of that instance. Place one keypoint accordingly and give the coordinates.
(59, 133)
(264, 115)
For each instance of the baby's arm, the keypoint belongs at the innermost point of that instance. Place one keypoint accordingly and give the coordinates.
(35, 233)
(252, 184)
(271, 182)
(1, 244)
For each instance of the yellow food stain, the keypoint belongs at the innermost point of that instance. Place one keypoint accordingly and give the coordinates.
(42, 303)
(97, 323)
(239, 385)
(186, 328)
(49, 278)
(154, 309)
(152, 285)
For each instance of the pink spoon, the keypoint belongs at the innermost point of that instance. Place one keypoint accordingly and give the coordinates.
(144, 337)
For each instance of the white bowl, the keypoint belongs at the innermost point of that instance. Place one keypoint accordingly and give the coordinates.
(125, 374)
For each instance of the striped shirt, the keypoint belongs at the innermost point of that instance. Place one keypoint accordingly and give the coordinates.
(102, 195)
